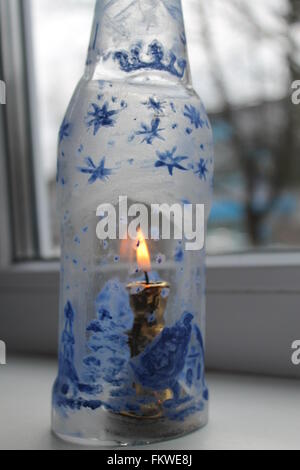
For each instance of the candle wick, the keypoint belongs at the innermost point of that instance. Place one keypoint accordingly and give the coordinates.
(147, 278)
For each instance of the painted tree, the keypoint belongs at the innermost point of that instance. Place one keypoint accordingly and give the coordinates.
(108, 342)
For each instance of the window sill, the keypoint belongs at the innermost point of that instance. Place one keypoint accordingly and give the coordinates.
(253, 311)
(242, 413)
(274, 272)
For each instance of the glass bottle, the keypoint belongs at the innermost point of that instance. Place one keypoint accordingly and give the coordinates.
(132, 311)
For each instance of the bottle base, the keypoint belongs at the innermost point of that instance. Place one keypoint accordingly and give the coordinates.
(112, 430)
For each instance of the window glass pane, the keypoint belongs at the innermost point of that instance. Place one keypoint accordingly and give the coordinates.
(61, 33)
(244, 57)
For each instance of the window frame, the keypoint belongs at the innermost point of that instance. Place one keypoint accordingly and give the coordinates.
(259, 292)
(19, 146)
(30, 229)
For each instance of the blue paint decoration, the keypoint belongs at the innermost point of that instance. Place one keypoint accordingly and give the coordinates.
(202, 170)
(98, 117)
(170, 161)
(151, 132)
(158, 59)
(159, 367)
(64, 131)
(99, 172)
(162, 362)
(155, 105)
(179, 253)
(68, 385)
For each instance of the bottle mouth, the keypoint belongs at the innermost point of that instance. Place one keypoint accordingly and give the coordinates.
(140, 40)
(151, 285)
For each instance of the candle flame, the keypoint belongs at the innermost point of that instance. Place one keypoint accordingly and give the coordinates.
(142, 253)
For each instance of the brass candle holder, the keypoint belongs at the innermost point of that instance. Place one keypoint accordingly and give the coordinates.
(148, 301)
(149, 306)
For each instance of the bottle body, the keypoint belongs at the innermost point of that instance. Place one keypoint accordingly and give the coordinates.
(131, 357)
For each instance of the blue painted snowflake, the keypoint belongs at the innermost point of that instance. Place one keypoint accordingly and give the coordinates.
(194, 116)
(168, 160)
(151, 132)
(202, 169)
(155, 105)
(97, 172)
(99, 117)
(64, 131)
(158, 59)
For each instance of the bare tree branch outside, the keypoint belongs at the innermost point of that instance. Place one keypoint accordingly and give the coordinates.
(244, 57)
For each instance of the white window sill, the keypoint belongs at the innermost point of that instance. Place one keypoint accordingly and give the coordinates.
(246, 412)
(252, 311)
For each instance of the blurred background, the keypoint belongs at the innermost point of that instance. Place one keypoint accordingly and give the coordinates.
(244, 57)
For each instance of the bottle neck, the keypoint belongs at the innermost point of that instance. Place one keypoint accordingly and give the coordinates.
(138, 40)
